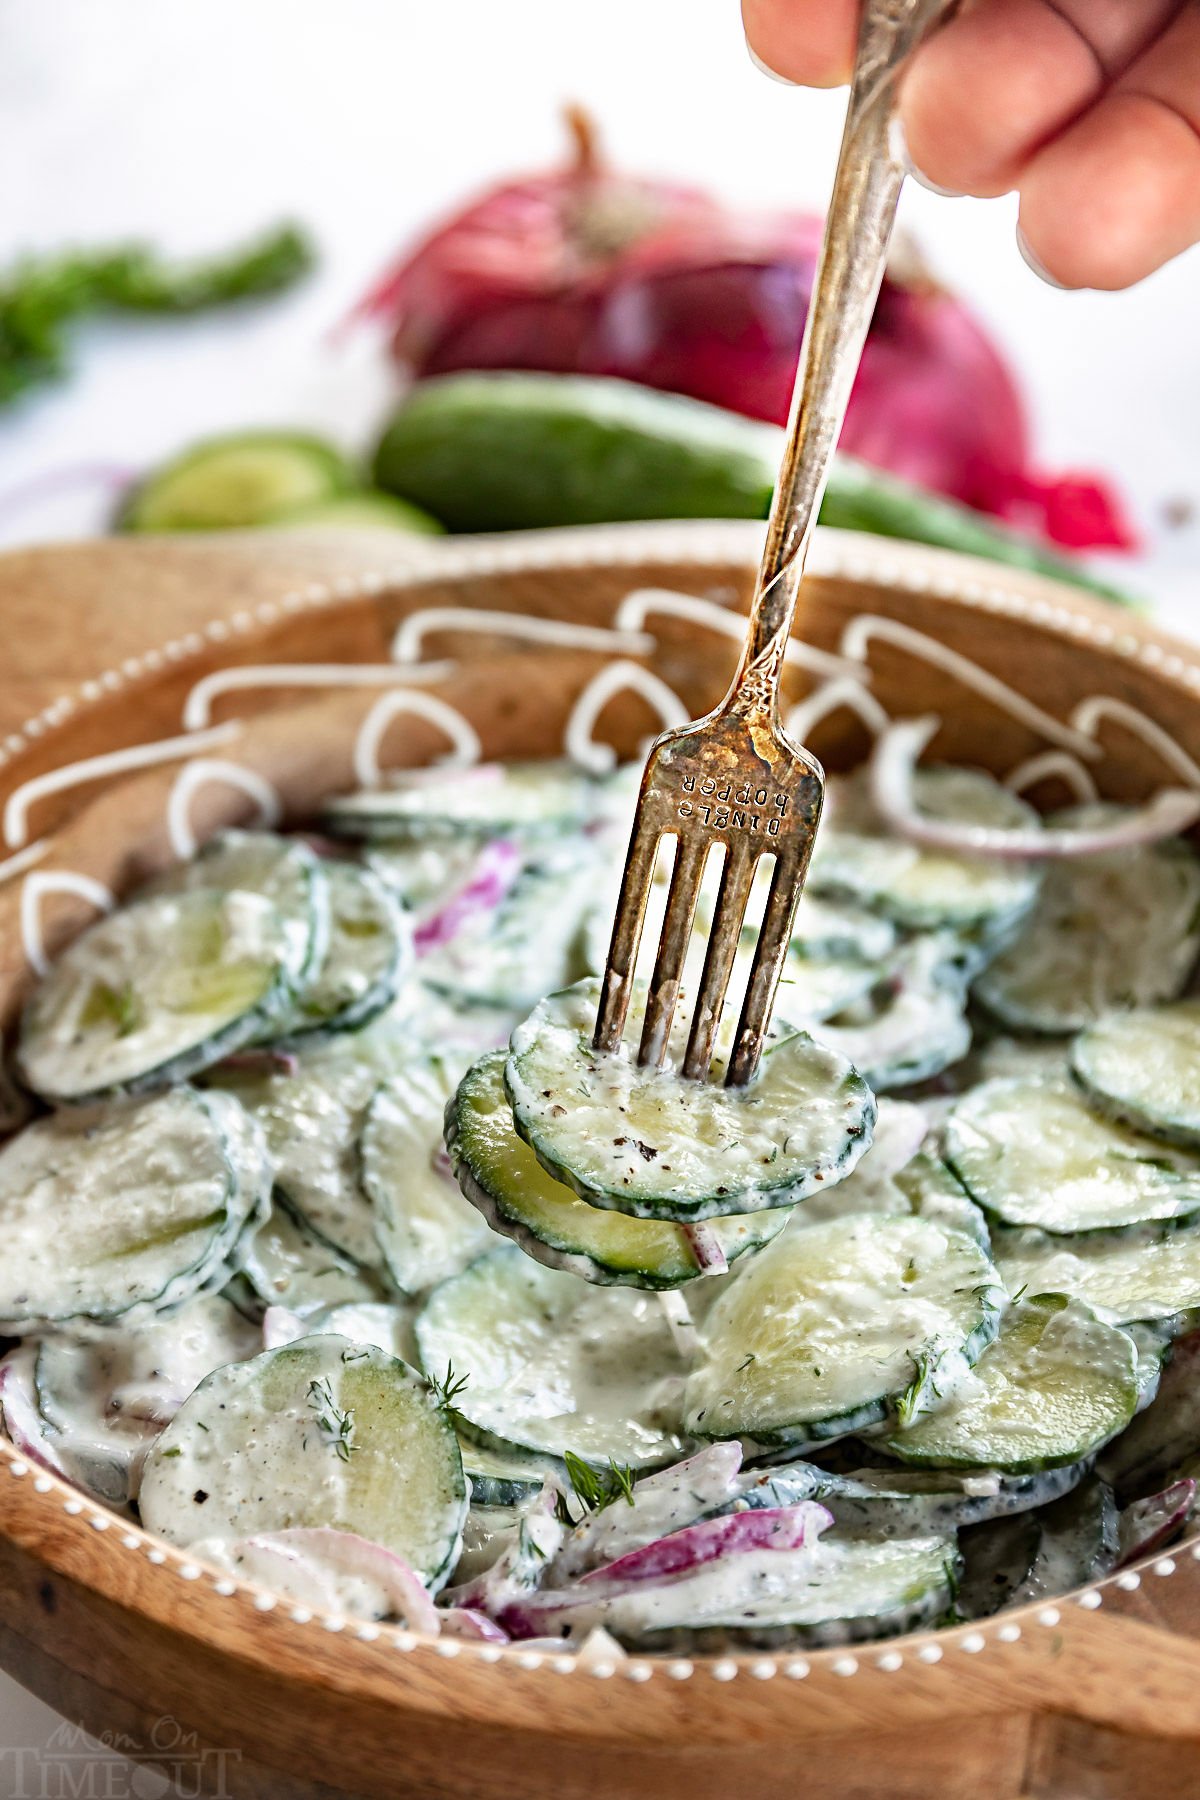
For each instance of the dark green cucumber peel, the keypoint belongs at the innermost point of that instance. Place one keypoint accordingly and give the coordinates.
(503, 452)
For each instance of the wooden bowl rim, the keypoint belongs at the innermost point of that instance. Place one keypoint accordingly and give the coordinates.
(1021, 1643)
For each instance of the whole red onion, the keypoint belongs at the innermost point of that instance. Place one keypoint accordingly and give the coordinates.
(587, 270)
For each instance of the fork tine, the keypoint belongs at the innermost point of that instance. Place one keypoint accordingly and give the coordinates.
(690, 856)
(617, 987)
(737, 878)
(765, 970)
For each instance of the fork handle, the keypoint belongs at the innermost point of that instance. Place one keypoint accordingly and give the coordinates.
(866, 187)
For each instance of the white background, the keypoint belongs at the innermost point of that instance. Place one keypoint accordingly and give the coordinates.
(193, 122)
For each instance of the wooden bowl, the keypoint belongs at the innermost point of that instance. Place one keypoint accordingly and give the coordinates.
(155, 691)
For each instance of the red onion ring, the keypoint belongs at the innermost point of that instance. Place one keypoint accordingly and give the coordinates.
(707, 1249)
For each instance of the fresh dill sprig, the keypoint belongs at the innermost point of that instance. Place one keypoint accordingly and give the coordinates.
(446, 1390)
(908, 1405)
(336, 1426)
(597, 1488)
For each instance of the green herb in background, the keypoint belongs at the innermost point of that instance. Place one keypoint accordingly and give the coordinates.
(41, 297)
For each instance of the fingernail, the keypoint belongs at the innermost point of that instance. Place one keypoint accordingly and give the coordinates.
(765, 68)
(1031, 262)
(931, 187)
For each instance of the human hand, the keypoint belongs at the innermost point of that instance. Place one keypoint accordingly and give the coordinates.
(1090, 109)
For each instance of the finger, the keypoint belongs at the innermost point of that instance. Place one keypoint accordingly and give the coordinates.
(1119, 193)
(1005, 77)
(809, 41)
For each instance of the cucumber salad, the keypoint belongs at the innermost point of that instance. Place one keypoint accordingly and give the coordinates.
(337, 1256)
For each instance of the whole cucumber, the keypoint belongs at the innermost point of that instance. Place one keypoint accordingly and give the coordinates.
(513, 451)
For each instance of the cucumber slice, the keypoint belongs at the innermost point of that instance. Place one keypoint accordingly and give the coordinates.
(423, 874)
(998, 1559)
(1031, 1153)
(358, 512)
(368, 954)
(934, 1192)
(1128, 1277)
(106, 1396)
(839, 1590)
(322, 1432)
(915, 1024)
(1078, 1542)
(855, 859)
(490, 800)
(500, 1175)
(652, 1145)
(554, 1364)
(839, 1327)
(283, 870)
(1110, 931)
(1143, 1069)
(829, 928)
(426, 1230)
(428, 1023)
(1056, 1385)
(154, 994)
(1163, 1440)
(510, 953)
(312, 1118)
(244, 478)
(287, 1264)
(121, 1212)
(899, 1129)
(500, 1480)
(897, 1502)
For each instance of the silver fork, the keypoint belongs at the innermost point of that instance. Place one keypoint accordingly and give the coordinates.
(734, 778)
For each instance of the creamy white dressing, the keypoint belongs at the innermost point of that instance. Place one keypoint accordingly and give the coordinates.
(147, 987)
(249, 1472)
(324, 1432)
(837, 1320)
(104, 1212)
(1107, 931)
(645, 1141)
(1032, 1152)
(555, 1364)
(426, 1229)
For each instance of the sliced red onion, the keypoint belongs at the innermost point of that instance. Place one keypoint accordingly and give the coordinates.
(669, 1564)
(730, 1534)
(1149, 1524)
(316, 1557)
(22, 1420)
(522, 1565)
(496, 869)
(893, 766)
(584, 269)
(662, 1503)
(469, 1622)
(707, 1249)
(280, 1326)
